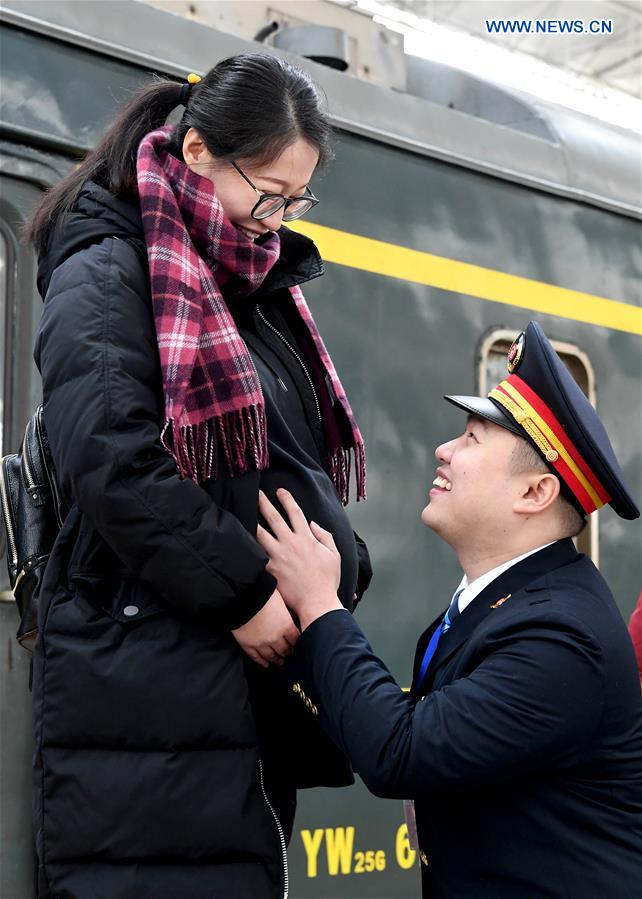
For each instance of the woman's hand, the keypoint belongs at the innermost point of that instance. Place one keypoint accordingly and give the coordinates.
(303, 559)
(270, 635)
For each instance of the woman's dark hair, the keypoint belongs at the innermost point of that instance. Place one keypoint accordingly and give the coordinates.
(248, 107)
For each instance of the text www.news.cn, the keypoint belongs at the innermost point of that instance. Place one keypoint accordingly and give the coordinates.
(549, 26)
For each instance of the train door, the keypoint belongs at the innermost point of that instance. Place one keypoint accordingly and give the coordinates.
(19, 394)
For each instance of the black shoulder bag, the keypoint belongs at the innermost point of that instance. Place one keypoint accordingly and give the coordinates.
(33, 512)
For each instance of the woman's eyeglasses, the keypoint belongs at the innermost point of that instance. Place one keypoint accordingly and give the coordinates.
(268, 204)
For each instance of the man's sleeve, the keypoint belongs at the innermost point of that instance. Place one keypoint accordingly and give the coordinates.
(365, 569)
(98, 356)
(534, 698)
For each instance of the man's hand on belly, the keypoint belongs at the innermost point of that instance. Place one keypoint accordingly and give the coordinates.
(303, 559)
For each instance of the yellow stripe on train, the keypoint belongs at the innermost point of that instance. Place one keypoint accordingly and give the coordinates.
(394, 261)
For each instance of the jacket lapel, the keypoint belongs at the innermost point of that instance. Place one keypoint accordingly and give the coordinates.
(493, 596)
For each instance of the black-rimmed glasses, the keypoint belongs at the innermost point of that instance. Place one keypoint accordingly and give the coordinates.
(268, 204)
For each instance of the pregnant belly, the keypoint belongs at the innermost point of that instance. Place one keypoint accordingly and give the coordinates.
(318, 499)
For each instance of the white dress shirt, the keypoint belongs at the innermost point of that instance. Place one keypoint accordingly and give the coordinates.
(470, 591)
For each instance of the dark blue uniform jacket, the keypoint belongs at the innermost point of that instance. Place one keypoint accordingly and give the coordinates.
(523, 745)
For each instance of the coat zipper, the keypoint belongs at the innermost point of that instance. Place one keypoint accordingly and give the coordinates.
(296, 356)
(6, 509)
(286, 879)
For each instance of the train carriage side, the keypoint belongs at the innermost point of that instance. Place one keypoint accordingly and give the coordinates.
(438, 249)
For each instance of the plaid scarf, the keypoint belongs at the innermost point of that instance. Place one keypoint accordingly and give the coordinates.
(214, 406)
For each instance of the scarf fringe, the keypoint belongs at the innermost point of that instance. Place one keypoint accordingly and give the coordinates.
(340, 464)
(238, 440)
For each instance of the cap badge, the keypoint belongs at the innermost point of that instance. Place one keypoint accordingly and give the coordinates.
(516, 352)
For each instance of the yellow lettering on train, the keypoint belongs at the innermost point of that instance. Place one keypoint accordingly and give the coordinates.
(312, 844)
(406, 855)
(339, 842)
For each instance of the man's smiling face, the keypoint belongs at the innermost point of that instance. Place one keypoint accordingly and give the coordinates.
(474, 488)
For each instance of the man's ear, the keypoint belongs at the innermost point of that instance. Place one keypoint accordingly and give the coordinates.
(538, 493)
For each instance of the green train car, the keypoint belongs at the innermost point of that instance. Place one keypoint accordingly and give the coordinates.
(444, 231)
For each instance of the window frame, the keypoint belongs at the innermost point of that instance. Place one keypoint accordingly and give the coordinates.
(7, 241)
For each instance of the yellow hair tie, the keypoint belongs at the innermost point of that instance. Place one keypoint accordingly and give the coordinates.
(193, 78)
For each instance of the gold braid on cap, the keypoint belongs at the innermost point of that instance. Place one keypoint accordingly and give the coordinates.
(526, 423)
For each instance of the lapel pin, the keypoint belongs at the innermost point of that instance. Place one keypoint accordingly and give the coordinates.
(500, 602)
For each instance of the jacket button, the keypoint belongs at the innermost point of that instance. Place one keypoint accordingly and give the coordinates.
(130, 611)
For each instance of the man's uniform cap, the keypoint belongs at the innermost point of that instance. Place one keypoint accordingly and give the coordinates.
(540, 401)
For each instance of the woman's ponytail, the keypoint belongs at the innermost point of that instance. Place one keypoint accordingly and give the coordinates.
(112, 163)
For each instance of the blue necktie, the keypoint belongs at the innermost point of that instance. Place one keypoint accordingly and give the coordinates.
(444, 626)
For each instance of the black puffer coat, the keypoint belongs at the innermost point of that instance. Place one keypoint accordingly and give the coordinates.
(151, 766)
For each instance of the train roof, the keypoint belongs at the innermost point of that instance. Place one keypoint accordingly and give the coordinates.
(546, 147)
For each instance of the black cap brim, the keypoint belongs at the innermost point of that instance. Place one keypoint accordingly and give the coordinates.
(485, 408)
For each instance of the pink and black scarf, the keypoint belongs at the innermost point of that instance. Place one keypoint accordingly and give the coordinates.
(214, 406)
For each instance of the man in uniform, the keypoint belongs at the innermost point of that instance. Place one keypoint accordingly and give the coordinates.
(520, 741)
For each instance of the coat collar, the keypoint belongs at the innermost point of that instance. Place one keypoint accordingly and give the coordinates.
(299, 261)
(525, 575)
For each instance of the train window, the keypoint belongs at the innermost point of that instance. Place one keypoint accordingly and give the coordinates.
(4, 278)
(20, 388)
(492, 370)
